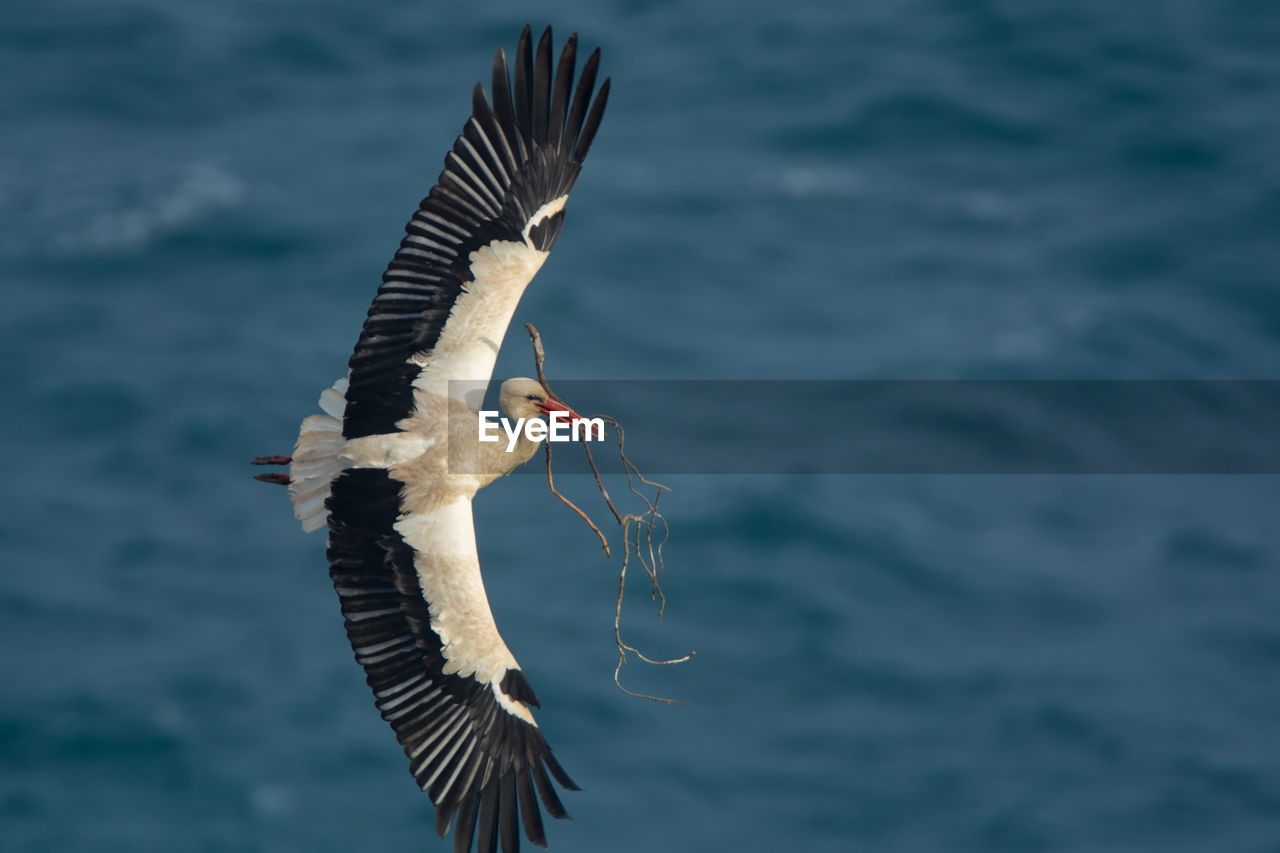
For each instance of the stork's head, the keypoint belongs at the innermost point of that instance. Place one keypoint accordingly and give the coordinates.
(526, 398)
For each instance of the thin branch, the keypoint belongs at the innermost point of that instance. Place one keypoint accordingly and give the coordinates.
(623, 648)
(551, 484)
(652, 568)
(538, 357)
(649, 519)
(599, 483)
(655, 566)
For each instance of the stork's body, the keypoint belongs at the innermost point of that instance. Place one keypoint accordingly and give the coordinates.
(393, 463)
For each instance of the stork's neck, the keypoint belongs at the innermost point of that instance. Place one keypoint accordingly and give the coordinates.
(496, 458)
(490, 460)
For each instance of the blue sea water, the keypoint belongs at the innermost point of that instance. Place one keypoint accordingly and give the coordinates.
(196, 201)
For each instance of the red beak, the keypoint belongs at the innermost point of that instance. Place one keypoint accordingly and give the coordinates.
(550, 406)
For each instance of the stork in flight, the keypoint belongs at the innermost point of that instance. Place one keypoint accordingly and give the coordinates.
(382, 465)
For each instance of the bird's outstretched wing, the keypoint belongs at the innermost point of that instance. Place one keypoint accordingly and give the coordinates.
(440, 673)
(478, 237)
(406, 570)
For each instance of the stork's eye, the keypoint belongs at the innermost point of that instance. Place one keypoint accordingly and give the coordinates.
(533, 397)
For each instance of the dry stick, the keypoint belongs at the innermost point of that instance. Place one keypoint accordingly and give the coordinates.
(626, 522)
(596, 472)
(551, 484)
(538, 356)
(623, 648)
(654, 567)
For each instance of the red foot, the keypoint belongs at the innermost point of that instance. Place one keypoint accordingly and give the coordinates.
(272, 460)
(279, 479)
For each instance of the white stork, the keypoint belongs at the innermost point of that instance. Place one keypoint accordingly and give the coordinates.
(382, 464)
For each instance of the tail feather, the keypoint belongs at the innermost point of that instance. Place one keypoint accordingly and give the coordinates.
(317, 458)
(333, 401)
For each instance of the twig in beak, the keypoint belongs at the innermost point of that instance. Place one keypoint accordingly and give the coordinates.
(654, 566)
(538, 356)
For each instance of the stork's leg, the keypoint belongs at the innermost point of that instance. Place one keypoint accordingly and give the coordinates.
(272, 460)
(279, 479)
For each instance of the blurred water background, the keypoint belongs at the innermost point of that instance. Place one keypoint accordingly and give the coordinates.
(196, 201)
